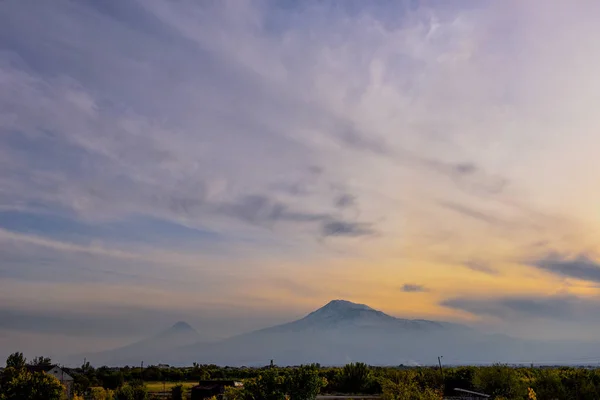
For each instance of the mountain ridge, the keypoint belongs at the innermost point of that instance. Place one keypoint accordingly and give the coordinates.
(337, 333)
(327, 321)
(179, 334)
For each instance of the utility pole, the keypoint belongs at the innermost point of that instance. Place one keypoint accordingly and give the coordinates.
(142, 372)
(442, 372)
(164, 380)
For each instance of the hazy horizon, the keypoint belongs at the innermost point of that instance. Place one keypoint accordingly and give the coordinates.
(238, 164)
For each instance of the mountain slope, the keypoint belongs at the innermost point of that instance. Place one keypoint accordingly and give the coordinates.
(343, 314)
(339, 332)
(150, 350)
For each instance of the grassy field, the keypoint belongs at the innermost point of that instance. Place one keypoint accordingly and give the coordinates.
(157, 387)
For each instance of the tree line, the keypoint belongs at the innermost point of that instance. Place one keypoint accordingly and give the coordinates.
(17, 383)
(307, 381)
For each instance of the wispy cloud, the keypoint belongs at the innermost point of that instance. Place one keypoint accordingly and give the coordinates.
(341, 228)
(480, 266)
(559, 307)
(345, 200)
(64, 246)
(472, 213)
(413, 288)
(580, 266)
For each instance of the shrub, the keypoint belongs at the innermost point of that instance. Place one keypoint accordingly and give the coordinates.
(177, 392)
(232, 393)
(269, 385)
(98, 393)
(124, 393)
(304, 383)
(500, 380)
(113, 380)
(404, 386)
(134, 391)
(355, 378)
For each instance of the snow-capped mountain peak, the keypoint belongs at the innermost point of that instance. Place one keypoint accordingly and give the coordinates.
(343, 310)
(343, 314)
(340, 305)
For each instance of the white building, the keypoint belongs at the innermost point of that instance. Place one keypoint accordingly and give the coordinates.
(65, 379)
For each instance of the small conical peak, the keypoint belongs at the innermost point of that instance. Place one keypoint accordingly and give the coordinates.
(182, 326)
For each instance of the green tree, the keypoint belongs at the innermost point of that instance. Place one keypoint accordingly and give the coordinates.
(232, 393)
(304, 383)
(395, 391)
(269, 385)
(548, 386)
(140, 392)
(112, 380)
(152, 373)
(16, 360)
(404, 385)
(42, 361)
(135, 390)
(177, 393)
(500, 381)
(175, 374)
(580, 384)
(98, 393)
(430, 378)
(461, 377)
(124, 393)
(81, 383)
(22, 385)
(355, 378)
(199, 372)
(45, 387)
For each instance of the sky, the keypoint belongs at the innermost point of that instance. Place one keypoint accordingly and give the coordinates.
(237, 164)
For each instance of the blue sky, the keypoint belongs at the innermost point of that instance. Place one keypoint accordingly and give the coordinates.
(238, 163)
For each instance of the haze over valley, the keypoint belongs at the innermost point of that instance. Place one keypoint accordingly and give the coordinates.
(339, 333)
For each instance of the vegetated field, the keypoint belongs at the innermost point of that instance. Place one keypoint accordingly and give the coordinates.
(157, 387)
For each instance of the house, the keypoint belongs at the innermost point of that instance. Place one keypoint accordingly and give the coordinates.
(65, 379)
(208, 389)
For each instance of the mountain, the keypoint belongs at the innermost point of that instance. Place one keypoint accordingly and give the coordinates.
(150, 350)
(338, 333)
(343, 314)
